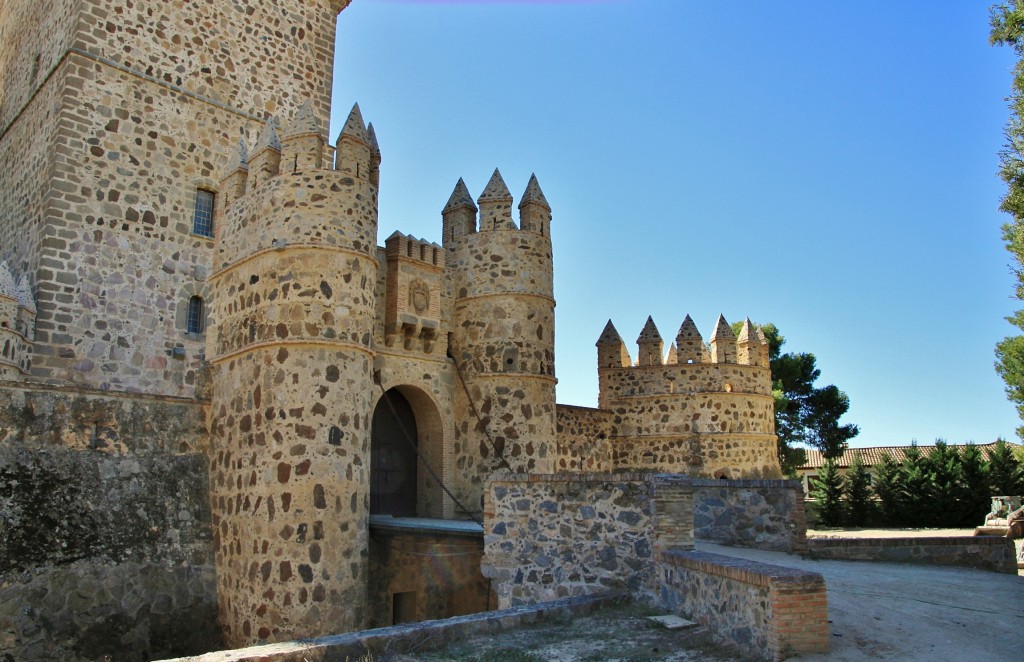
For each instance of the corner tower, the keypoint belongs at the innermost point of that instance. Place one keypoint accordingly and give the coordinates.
(502, 339)
(293, 300)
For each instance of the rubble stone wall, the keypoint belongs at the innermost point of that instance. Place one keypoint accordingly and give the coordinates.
(765, 611)
(584, 444)
(556, 536)
(105, 540)
(764, 514)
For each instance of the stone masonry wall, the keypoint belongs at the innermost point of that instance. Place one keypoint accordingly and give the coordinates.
(104, 526)
(555, 536)
(764, 514)
(584, 444)
(766, 611)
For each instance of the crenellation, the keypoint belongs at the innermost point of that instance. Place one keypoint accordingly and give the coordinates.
(723, 342)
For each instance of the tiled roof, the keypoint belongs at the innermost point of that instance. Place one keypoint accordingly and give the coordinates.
(873, 455)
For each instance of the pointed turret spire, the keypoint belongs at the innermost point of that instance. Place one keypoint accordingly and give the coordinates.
(723, 342)
(747, 344)
(495, 205)
(266, 155)
(533, 194)
(355, 127)
(611, 350)
(460, 197)
(534, 210)
(268, 137)
(304, 122)
(355, 151)
(233, 181)
(609, 336)
(458, 215)
(241, 160)
(650, 343)
(372, 135)
(673, 355)
(689, 343)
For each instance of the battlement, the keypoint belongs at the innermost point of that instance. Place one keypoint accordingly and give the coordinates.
(17, 324)
(749, 349)
(300, 148)
(495, 210)
(413, 297)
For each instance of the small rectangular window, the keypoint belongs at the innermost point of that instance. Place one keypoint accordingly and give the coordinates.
(194, 321)
(202, 218)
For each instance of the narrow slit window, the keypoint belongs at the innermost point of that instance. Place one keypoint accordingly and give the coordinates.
(202, 218)
(194, 322)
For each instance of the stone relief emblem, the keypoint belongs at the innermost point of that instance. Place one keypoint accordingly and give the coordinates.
(419, 296)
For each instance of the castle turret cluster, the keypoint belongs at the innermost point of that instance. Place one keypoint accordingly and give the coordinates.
(195, 309)
(704, 410)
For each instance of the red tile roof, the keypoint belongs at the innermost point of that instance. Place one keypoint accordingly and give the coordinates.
(873, 455)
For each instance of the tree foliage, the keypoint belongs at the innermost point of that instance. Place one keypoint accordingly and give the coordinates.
(804, 414)
(829, 487)
(1005, 475)
(860, 506)
(1007, 22)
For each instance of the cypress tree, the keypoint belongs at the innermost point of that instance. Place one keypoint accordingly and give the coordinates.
(829, 488)
(888, 488)
(860, 506)
(1004, 471)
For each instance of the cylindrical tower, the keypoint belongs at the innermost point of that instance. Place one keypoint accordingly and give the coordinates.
(293, 307)
(502, 340)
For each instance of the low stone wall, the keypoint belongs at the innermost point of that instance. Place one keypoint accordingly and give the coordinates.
(764, 610)
(554, 536)
(983, 552)
(105, 539)
(414, 637)
(762, 514)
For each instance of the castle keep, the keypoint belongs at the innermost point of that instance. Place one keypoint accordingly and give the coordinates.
(231, 389)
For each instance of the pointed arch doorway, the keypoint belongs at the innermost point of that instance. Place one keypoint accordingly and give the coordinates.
(393, 461)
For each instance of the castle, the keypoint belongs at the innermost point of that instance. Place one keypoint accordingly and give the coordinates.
(191, 291)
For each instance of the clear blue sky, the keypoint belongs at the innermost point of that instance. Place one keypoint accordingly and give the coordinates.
(826, 166)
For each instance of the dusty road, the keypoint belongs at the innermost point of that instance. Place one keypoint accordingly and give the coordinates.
(891, 611)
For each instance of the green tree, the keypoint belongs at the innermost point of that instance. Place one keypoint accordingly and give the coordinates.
(804, 414)
(829, 488)
(943, 468)
(973, 491)
(1007, 22)
(888, 487)
(1005, 477)
(916, 488)
(860, 506)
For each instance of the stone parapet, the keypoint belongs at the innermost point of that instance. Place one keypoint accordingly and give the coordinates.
(766, 611)
(763, 514)
(553, 536)
(996, 554)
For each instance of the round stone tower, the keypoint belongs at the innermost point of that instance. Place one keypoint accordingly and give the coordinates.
(502, 339)
(293, 305)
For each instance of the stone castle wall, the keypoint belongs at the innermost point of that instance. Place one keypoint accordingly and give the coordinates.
(105, 520)
(556, 536)
(584, 440)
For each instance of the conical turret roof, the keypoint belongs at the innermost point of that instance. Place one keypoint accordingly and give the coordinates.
(372, 135)
(722, 330)
(533, 194)
(688, 329)
(495, 190)
(304, 122)
(355, 127)
(649, 332)
(610, 335)
(460, 197)
(747, 332)
(268, 137)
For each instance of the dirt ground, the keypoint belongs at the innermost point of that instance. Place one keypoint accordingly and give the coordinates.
(877, 611)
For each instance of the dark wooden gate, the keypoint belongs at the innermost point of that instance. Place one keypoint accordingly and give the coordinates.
(393, 457)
